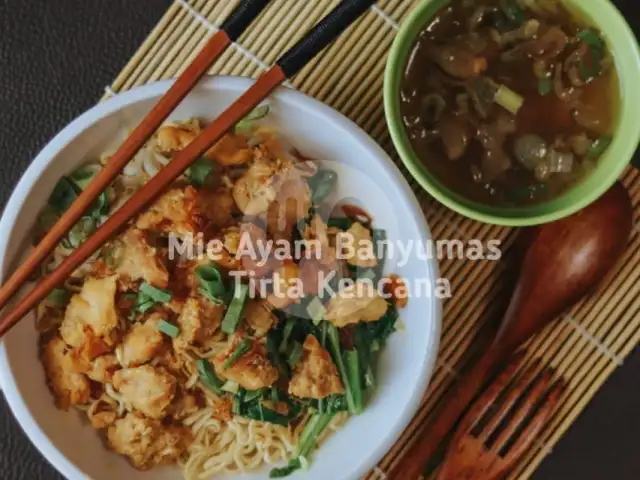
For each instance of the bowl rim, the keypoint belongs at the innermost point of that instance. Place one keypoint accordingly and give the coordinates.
(68, 134)
(617, 158)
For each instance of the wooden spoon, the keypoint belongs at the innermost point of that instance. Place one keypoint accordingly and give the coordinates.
(565, 260)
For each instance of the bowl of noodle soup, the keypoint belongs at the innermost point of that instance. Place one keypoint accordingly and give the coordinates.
(350, 444)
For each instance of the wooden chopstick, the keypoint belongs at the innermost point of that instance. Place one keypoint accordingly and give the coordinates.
(288, 65)
(231, 29)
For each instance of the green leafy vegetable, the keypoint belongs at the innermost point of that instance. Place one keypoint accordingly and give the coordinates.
(513, 11)
(599, 147)
(64, 194)
(243, 347)
(597, 51)
(211, 283)
(274, 354)
(251, 395)
(308, 440)
(236, 308)
(59, 297)
(322, 184)
(168, 328)
(343, 223)
(381, 329)
(289, 325)
(257, 411)
(231, 387)
(199, 171)
(363, 342)
(295, 354)
(208, 376)
(334, 347)
(236, 405)
(354, 376)
(592, 38)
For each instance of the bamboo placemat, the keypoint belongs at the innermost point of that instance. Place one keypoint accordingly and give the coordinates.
(585, 346)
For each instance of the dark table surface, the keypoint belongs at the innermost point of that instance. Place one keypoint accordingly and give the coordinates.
(56, 56)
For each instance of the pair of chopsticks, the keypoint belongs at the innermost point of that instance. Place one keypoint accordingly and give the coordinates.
(327, 30)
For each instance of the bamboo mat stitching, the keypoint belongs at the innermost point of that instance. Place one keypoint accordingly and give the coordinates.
(594, 341)
(387, 18)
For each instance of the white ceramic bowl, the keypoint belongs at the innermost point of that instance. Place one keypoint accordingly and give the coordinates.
(65, 438)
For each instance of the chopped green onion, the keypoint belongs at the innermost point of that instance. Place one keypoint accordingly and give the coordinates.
(599, 146)
(211, 283)
(592, 38)
(294, 356)
(316, 310)
(208, 376)
(199, 171)
(64, 194)
(243, 347)
(545, 86)
(81, 231)
(236, 308)
(59, 297)
(168, 328)
(321, 184)
(508, 99)
(82, 176)
(513, 11)
(156, 294)
(256, 114)
(230, 387)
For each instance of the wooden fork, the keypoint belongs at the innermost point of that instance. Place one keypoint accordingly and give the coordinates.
(501, 424)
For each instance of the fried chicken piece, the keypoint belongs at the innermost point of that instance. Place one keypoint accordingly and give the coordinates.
(91, 315)
(174, 213)
(143, 342)
(199, 319)
(147, 442)
(315, 374)
(150, 390)
(252, 370)
(68, 386)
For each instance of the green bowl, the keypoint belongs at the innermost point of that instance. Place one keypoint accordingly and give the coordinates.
(624, 47)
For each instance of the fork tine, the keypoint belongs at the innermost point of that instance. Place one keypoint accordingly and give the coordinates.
(511, 398)
(540, 387)
(537, 422)
(491, 394)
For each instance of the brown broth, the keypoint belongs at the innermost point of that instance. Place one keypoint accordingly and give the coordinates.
(547, 116)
